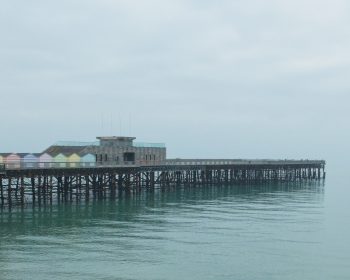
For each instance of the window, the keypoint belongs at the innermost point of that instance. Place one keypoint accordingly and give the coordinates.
(129, 157)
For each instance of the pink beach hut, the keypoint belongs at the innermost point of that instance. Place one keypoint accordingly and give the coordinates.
(45, 160)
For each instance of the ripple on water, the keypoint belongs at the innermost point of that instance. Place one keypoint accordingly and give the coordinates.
(202, 233)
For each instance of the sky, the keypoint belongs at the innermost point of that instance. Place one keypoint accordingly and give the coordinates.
(211, 79)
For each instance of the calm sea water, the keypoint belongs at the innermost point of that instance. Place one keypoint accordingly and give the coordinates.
(223, 232)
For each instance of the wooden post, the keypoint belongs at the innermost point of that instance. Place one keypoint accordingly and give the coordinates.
(50, 188)
(33, 188)
(65, 188)
(17, 188)
(44, 188)
(152, 179)
(22, 191)
(9, 190)
(59, 188)
(39, 189)
(1, 191)
(120, 182)
(87, 187)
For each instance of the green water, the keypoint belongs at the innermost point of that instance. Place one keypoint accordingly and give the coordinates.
(223, 232)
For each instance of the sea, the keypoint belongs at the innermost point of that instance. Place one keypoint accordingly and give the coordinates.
(259, 231)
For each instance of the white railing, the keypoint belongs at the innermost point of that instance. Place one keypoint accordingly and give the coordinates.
(49, 165)
(169, 162)
(239, 161)
(45, 165)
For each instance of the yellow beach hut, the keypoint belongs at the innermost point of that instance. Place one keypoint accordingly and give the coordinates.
(73, 160)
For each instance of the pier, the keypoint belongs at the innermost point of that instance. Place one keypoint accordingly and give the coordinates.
(32, 183)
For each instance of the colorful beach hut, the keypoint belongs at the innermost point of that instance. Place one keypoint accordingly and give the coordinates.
(29, 160)
(13, 161)
(88, 160)
(60, 160)
(3, 157)
(73, 160)
(45, 160)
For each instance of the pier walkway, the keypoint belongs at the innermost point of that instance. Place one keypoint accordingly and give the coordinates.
(30, 182)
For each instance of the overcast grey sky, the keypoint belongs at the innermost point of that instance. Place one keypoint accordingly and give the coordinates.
(252, 78)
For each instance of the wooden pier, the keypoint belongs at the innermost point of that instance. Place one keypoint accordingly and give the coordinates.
(38, 185)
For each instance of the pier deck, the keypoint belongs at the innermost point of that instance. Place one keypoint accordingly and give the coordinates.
(31, 183)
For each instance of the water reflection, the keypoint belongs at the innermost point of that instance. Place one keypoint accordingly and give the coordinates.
(131, 207)
(213, 232)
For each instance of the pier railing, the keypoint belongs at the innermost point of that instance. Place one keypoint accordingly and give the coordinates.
(240, 162)
(55, 165)
(169, 162)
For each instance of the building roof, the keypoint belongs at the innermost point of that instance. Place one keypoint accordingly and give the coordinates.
(76, 143)
(6, 154)
(19, 154)
(65, 150)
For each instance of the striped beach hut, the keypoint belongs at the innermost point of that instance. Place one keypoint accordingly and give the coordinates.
(88, 160)
(29, 160)
(73, 160)
(60, 160)
(13, 161)
(45, 160)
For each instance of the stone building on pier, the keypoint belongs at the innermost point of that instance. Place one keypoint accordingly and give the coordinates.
(113, 150)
